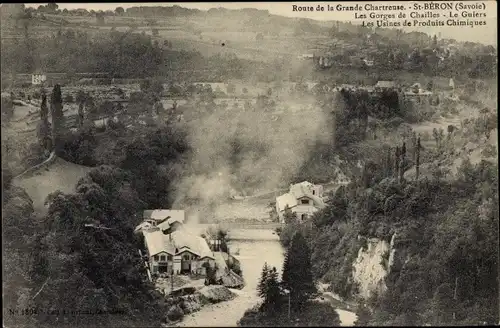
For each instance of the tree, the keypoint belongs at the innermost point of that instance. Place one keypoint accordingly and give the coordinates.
(155, 32)
(56, 108)
(363, 316)
(211, 276)
(272, 297)
(417, 160)
(259, 37)
(7, 107)
(44, 127)
(52, 6)
(99, 18)
(261, 287)
(402, 164)
(119, 11)
(396, 162)
(289, 216)
(297, 275)
(68, 98)
(81, 99)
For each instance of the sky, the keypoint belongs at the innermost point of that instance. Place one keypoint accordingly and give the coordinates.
(485, 34)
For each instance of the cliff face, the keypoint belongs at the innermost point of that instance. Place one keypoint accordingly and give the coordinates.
(375, 262)
(370, 269)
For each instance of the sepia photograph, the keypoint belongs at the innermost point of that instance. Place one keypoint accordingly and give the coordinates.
(249, 164)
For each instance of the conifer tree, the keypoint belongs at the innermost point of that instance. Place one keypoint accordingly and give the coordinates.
(261, 287)
(297, 274)
(272, 299)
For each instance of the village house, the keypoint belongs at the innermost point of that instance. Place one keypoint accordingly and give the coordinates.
(179, 252)
(303, 199)
(417, 94)
(368, 62)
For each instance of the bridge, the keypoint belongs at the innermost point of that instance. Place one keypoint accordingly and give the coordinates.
(243, 225)
(249, 231)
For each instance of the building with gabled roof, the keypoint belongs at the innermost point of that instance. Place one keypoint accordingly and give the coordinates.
(303, 199)
(178, 252)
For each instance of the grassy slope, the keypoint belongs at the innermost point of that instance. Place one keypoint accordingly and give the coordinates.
(61, 175)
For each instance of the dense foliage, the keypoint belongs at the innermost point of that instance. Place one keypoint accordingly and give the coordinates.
(81, 257)
(83, 254)
(297, 276)
(447, 240)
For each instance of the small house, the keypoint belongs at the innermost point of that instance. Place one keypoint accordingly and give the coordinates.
(303, 199)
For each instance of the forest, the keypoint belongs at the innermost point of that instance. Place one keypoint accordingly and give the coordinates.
(444, 228)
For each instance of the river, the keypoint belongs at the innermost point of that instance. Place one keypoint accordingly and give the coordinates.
(255, 247)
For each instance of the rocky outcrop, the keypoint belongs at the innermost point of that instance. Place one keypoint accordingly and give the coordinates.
(232, 280)
(192, 303)
(216, 293)
(370, 269)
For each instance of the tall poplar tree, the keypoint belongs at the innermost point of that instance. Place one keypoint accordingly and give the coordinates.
(44, 127)
(56, 108)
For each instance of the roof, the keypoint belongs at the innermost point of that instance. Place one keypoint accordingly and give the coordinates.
(419, 93)
(198, 245)
(157, 243)
(305, 189)
(385, 84)
(160, 215)
(180, 240)
(286, 199)
(143, 225)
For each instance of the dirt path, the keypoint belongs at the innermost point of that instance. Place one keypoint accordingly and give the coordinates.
(345, 311)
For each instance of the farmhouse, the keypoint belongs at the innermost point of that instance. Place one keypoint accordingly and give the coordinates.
(304, 199)
(179, 252)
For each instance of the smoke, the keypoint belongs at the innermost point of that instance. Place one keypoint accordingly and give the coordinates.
(240, 152)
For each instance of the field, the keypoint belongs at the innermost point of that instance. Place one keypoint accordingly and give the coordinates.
(61, 175)
(206, 36)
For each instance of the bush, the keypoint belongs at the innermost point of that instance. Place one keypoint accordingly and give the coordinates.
(175, 313)
(489, 151)
(68, 98)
